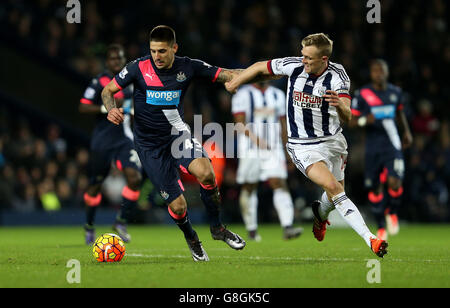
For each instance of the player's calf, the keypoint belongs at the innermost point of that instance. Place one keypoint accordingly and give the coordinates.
(178, 212)
(92, 203)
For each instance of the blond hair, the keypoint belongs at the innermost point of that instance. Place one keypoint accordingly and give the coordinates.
(321, 41)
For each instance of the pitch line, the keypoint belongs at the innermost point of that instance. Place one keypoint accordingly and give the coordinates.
(280, 258)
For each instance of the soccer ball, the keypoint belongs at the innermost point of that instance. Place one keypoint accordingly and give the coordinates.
(108, 248)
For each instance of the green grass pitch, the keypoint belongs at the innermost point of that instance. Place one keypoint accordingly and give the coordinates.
(159, 257)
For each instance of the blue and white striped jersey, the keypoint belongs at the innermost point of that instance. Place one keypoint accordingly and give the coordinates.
(263, 109)
(309, 116)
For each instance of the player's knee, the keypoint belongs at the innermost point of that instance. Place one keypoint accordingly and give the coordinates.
(378, 190)
(249, 187)
(178, 206)
(276, 183)
(333, 187)
(134, 180)
(206, 177)
(93, 189)
(394, 183)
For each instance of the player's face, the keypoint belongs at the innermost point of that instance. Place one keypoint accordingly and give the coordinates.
(115, 61)
(313, 61)
(378, 73)
(163, 54)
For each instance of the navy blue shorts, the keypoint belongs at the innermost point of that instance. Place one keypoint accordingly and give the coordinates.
(123, 155)
(376, 163)
(162, 163)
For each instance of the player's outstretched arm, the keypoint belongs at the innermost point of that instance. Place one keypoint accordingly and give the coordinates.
(342, 105)
(115, 115)
(257, 71)
(226, 75)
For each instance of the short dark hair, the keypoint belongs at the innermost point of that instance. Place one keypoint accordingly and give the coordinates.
(163, 33)
(114, 48)
(380, 62)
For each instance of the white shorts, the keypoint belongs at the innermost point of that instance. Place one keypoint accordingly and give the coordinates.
(332, 151)
(253, 169)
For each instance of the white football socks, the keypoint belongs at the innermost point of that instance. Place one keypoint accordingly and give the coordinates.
(350, 213)
(282, 201)
(325, 206)
(249, 209)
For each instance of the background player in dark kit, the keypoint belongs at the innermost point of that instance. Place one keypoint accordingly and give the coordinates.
(110, 144)
(378, 107)
(160, 82)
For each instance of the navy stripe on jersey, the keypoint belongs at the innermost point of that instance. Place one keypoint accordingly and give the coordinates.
(291, 111)
(275, 99)
(252, 107)
(291, 60)
(340, 72)
(307, 113)
(264, 129)
(324, 109)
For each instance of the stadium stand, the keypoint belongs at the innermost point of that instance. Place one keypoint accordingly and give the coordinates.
(43, 158)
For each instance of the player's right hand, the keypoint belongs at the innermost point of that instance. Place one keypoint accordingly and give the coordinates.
(229, 85)
(115, 115)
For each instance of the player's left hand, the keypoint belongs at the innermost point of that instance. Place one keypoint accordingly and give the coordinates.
(333, 99)
(115, 115)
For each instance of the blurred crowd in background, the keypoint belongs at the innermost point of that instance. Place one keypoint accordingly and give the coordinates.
(40, 169)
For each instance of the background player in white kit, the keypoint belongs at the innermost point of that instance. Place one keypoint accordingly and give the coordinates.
(318, 101)
(261, 108)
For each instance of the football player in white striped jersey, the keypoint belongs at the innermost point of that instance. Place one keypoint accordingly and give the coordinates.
(317, 104)
(260, 108)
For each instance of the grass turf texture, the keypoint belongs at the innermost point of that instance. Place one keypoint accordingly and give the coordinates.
(159, 257)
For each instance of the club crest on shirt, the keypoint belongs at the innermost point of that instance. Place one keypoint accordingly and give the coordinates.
(181, 76)
(123, 73)
(321, 91)
(164, 194)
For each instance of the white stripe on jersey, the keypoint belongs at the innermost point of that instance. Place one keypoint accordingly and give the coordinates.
(391, 131)
(174, 118)
(127, 127)
(308, 115)
(127, 122)
(262, 110)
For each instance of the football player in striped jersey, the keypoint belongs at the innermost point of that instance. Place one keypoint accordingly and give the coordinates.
(260, 108)
(317, 104)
